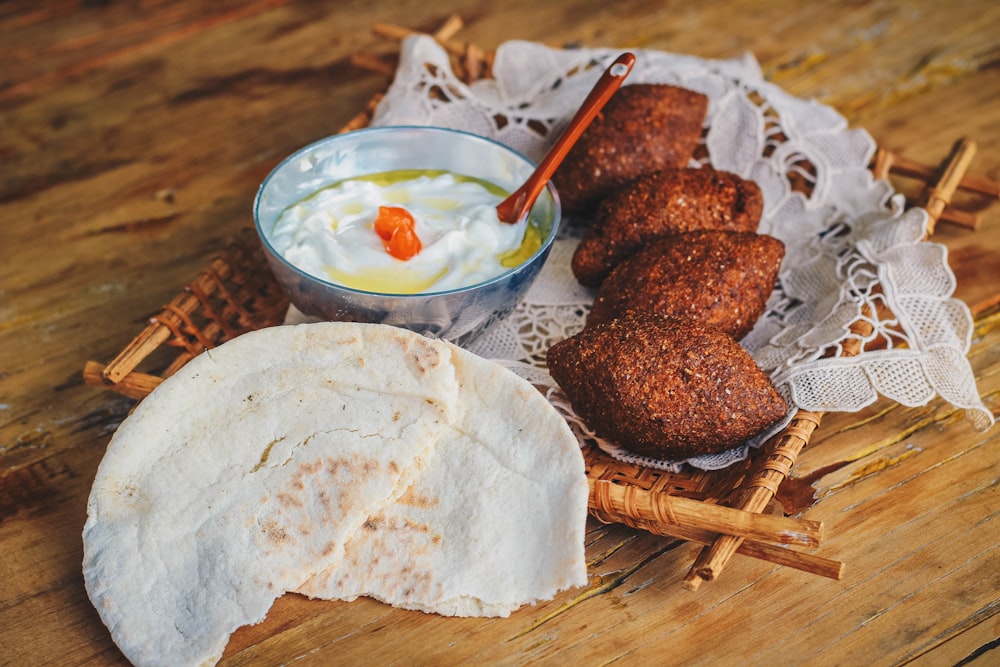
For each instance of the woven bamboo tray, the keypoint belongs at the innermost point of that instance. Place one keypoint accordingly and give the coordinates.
(724, 510)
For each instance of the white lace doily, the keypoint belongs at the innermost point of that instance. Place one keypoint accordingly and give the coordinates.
(849, 245)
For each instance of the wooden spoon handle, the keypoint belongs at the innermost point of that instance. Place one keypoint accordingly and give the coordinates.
(516, 206)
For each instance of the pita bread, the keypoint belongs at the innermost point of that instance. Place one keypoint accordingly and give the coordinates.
(246, 474)
(493, 521)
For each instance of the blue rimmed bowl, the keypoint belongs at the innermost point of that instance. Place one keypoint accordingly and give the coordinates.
(458, 315)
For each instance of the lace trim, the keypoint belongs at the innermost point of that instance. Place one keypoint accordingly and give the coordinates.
(852, 252)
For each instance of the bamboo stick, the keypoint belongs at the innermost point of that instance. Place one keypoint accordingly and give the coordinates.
(449, 28)
(886, 161)
(443, 35)
(756, 495)
(134, 385)
(363, 118)
(140, 347)
(165, 327)
(784, 450)
(399, 33)
(960, 218)
(779, 555)
(470, 63)
(372, 63)
(936, 197)
(607, 497)
(155, 333)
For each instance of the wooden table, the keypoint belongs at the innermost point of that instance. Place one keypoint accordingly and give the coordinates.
(133, 137)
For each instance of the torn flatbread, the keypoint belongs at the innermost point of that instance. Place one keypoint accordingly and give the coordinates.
(248, 471)
(495, 520)
(245, 471)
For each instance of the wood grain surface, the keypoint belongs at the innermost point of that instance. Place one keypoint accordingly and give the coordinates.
(133, 136)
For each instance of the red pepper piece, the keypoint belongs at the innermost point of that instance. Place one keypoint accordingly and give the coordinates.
(395, 226)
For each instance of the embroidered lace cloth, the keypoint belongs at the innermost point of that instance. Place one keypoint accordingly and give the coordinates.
(851, 249)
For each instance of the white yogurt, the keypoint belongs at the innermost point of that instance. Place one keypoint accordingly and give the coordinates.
(330, 233)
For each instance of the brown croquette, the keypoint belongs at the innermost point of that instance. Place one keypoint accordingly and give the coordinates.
(717, 278)
(644, 127)
(666, 388)
(669, 201)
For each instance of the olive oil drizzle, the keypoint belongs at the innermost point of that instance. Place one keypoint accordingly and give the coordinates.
(393, 282)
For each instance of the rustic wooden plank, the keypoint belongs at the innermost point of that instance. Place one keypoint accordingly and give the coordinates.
(880, 613)
(973, 644)
(133, 138)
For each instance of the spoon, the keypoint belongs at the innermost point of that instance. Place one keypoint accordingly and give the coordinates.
(514, 208)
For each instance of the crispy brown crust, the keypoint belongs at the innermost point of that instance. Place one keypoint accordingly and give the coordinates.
(668, 201)
(718, 278)
(644, 127)
(667, 388)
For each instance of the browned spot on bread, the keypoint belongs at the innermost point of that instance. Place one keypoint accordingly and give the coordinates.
(275, 534)
(310, 467)
(418, 527)
(414, 498)
(341, 475)
(367, 465)
(426, 358)
(289, 500)
(332, 466)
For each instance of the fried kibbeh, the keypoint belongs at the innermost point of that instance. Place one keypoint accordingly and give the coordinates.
(664, 202)
(717, 278)
(667, 388)
(644, 127)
